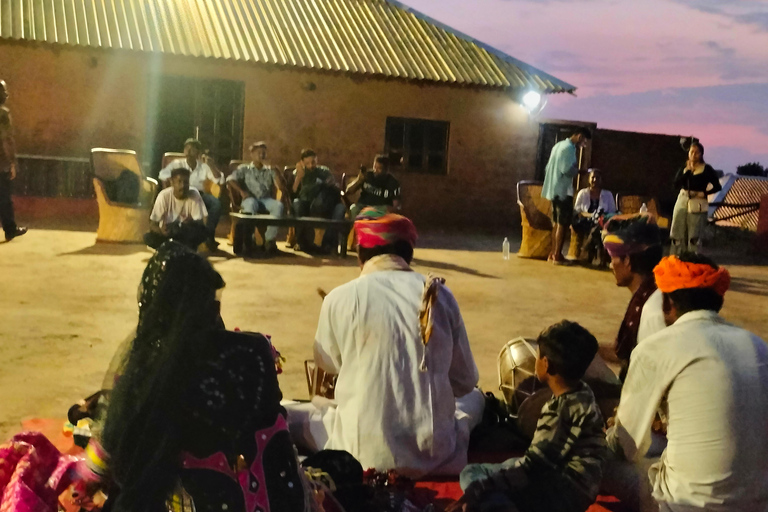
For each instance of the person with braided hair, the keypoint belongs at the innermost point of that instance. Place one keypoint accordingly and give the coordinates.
(194, 421)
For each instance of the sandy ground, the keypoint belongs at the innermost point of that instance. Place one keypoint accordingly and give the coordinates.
(66, 304)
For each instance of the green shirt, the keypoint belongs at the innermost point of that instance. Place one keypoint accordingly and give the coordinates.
(312, 182)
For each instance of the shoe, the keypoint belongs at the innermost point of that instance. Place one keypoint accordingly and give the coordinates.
(18, 232)
(325, 249)
(212, 245)
(309, 249)
(271, 250)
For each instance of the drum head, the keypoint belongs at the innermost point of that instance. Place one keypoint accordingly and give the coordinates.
(517, 374)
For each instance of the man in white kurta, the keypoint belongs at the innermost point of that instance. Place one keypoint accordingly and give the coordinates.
(389, 411)
(710, 381)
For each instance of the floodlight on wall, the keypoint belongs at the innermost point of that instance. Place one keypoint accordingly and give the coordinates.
(531, 100)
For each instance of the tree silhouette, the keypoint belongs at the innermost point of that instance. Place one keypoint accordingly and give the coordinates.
(751, 169)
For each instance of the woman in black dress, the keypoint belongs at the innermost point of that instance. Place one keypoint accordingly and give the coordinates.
(694, 181)
(194, 421)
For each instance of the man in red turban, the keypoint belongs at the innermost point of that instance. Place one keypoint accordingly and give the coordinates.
(709, 379)
(406, 396)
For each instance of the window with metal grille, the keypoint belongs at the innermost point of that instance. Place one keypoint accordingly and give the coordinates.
(422, 144)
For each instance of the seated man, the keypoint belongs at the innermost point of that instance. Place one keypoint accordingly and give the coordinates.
(179, 213)
(255, 183)
(591, 204)
(561, 469)
(710, 381)
(318, 196)
(594, 198)
(405, 396)
(634, 244)
(199, 172)
(378, 188)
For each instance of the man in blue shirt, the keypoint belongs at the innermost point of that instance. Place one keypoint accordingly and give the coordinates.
(558, 187)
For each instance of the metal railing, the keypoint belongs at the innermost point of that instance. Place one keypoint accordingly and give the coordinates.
(54, 176)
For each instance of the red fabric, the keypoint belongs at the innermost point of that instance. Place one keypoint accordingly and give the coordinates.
(374, 229)
(32, 474)
(442, 491)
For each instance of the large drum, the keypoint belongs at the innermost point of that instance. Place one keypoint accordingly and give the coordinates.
(517, 374)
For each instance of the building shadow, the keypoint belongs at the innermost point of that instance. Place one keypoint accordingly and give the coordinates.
(107, 249)
(451, 267)
(750, 286)
(292, 258)
(469, 241)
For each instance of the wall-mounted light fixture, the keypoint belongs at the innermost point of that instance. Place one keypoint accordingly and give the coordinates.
(531, 100)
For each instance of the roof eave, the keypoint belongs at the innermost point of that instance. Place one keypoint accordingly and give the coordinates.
(565, 86)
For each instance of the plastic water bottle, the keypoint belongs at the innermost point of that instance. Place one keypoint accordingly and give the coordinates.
(643, 208)
(505, 248)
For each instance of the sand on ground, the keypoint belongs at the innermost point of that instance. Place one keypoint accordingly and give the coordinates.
(67, 303)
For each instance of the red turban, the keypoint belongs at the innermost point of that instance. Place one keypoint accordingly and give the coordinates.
(673, 274)
(376, 228)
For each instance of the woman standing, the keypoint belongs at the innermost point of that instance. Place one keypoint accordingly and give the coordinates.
(194, 421)
(690, 216)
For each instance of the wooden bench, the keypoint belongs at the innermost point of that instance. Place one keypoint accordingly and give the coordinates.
(252, 222)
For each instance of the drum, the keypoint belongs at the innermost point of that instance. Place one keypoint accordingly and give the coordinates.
(517, 372)
(319, 383)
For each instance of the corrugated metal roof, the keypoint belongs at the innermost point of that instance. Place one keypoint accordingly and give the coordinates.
(375, 37)
(740, 190)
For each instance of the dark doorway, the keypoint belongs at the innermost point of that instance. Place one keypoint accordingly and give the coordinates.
(552, 133)
(209, 110)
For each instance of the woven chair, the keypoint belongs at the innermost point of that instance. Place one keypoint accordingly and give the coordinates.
(535, 219)
(121, 222)
(632, 204)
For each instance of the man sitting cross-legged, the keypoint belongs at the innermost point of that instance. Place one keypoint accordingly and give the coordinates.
(378, 188)
(179, 213)
(561, 470)
(199, 173)
(255, 183)
(405, 396)
(634, 244)
(709, 380)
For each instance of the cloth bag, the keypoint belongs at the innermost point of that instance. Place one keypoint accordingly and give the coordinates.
(698, 205)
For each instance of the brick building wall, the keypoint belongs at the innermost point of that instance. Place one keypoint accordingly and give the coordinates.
(66, 100)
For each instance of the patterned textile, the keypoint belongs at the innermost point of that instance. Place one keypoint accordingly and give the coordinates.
(237, 453)
(630, 234)
(428, 299)
(672, 274)
(33, 473)
(153, 274)
(626, 339)
(375, 228)
(569, 441)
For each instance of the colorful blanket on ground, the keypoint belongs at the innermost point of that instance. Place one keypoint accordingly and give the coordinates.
(33, 473)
